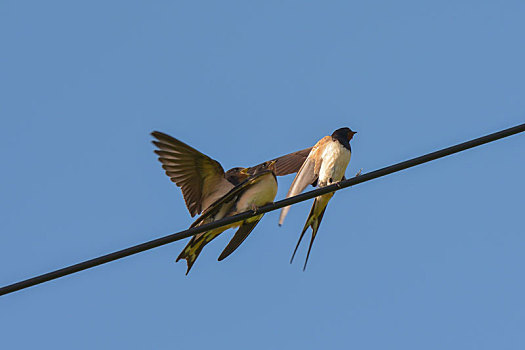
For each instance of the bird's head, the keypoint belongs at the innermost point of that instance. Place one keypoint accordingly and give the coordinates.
(237, 175)
(344, 133)
(270, 165)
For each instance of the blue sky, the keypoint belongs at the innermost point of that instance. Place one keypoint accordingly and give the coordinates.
(431, 257)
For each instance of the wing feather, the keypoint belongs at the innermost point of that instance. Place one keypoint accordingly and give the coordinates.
(307, 174)
(284, 165)
(191, 170)
(244, 230)
(192, 250)
(231, 196)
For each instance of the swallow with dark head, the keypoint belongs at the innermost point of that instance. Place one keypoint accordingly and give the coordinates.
(325, 165)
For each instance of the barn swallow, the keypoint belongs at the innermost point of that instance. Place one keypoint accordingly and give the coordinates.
(325, 165)
(202, 179)
(259, 189)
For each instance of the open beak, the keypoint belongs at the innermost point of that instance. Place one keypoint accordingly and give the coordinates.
(271, 165)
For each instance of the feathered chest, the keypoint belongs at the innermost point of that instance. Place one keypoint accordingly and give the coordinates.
(335, 159)
(261, 193)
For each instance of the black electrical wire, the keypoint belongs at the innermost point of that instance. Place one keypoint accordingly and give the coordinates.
(270, 207)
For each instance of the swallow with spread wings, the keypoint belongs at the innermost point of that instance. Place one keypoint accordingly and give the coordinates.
(202, 179)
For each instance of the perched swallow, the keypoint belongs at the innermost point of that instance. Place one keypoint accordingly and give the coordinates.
(259, 189)
(202, 179)
(325, 165)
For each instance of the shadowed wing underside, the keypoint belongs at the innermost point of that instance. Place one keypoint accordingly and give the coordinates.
(198, 176)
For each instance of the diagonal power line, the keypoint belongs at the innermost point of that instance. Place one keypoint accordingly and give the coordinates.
(270, 207)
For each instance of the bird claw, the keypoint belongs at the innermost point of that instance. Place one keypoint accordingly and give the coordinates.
(359, 172)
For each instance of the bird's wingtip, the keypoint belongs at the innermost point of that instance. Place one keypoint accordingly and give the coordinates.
(189, 267)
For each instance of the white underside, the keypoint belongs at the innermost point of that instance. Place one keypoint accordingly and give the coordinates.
(335, 160)
(261, 193)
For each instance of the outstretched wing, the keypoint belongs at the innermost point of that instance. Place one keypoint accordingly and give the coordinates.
(307, 174)
(200, 178)
(284, 165)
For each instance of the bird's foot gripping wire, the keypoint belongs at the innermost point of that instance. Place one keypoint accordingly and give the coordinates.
(359, 172)
(254, 209)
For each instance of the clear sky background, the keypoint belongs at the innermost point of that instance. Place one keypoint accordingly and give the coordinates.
(429, 258)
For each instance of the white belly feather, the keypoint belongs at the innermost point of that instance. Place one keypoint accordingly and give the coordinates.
(335, 160)
(261, 193)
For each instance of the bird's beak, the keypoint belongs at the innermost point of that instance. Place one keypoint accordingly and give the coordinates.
(271, 166)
